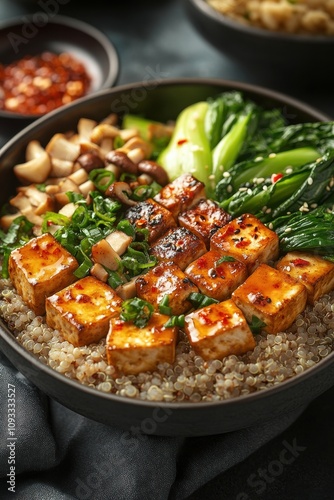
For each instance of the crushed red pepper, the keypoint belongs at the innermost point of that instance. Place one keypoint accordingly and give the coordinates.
(35, 85)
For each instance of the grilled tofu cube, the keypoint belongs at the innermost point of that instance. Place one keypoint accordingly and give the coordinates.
(166, 279)
(272, 296)
(316, 273)
(132, 350)
(181, 194)
(219, 330)
(82, 311)
(217, 275)
(204, 219)
(178, 245)
(151, 215)
(248, 240)
(40, 268)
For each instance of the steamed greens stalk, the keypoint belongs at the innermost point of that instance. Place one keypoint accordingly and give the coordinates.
(189, 150)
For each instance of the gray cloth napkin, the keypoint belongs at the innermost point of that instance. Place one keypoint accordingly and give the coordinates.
(62, 455)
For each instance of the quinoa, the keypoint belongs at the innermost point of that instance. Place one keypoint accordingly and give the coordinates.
(312, 17)
(275, 359)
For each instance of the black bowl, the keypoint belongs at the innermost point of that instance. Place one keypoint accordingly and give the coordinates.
(32, 35)
(162, 101)
(272, 55)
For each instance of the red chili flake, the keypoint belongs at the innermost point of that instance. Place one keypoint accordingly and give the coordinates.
(300, 262)
(260, 299)
(242, 243)
(181, 141)
(35, 85)
(276, 177)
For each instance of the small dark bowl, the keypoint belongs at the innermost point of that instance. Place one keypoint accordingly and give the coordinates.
(161, 100)
(272, 55)
(32, 35)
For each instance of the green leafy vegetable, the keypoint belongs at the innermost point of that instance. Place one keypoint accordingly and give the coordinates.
(137, 311)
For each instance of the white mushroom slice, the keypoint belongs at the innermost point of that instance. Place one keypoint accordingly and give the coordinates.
(21, 202)
(103, 254)
(6, 220)
(68, 209)
(40, 201)
(85, 127)
(34, 171)
(106, 145)
(79, 176)
(136, 155)
(99, 272)
(137, 142)
(68, 185)
(112, 119)
(87, 146)
(60, 147)
(128, 133)
(103, 130)
(61, 199)
(61, 168)
(34, 150)
(119, 241)
(127, 290)
(86, 187)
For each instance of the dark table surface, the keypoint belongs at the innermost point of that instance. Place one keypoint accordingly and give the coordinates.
(158, 37)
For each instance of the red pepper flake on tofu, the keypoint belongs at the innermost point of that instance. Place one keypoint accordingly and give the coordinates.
(248, 240)
(150, 215)
(217, 275)
(132, 350)
(219, 330)
(272, 296)
(178, 245)
(82, 311)
(204, 219)
(181, 194)
(166, 279)
(40, 268)
(316, 273)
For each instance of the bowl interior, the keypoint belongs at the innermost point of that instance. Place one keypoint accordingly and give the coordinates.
(161, 101)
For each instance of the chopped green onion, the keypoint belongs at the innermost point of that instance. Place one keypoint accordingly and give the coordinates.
(137, 311)
(178, 321)
(225, 258)
(114, 279)
(164, 306)
(127, 228)
(141, 193)
(200, 300)
(256, 324)
(101, 178)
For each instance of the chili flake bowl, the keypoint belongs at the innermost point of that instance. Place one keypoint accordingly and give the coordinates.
(89, 56)
(158, 101)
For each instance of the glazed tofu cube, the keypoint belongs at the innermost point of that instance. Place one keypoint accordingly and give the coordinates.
(166, 279)
(178, 245)
(219, 330)
(40, 268)
(217, 275)
(316, 273)
(132, 350)
(82, 311)
(204, 219)
(248, 240)
(272, 296)
(181, 194)
(151, 215)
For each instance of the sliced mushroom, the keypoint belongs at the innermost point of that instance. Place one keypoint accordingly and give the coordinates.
(99, 272)
(61, 168)
(103, 130)
(119, 241)
(79, 176)
(34, 171)
(90, 161)
(127, 290)
(121, 191)
(60, 147)
(154, 170)
(68, 209)
(34, 150)
(86, 187)
(121, 160)
(136, 155)
(85, 127)
(104, 254)
(137, 142)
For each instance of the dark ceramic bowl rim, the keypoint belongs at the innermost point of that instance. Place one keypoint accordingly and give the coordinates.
(9, 338)
(87, 29)
(205, 9)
